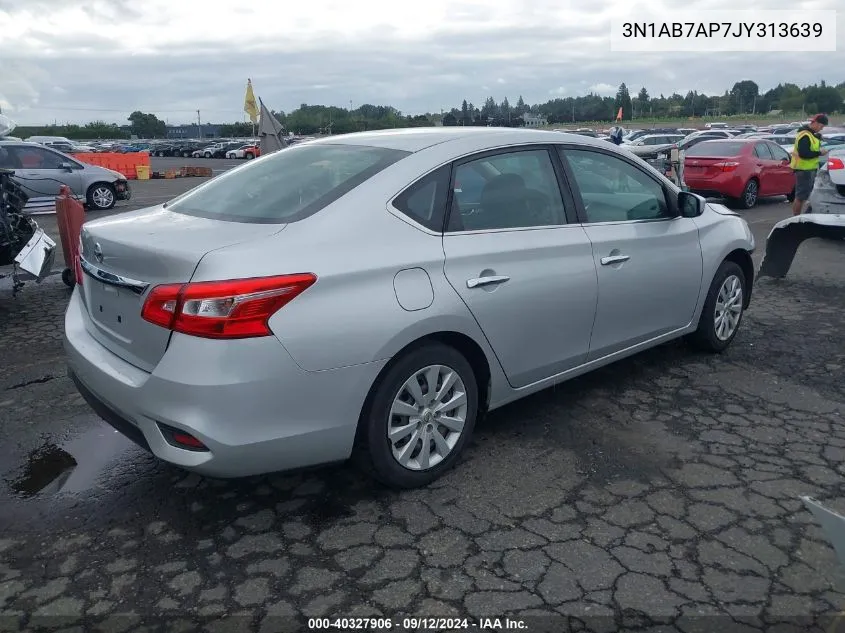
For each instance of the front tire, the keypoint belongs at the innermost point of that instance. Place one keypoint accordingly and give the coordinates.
(101, 196)
(419, 417)
(723, 309)
(790, 197)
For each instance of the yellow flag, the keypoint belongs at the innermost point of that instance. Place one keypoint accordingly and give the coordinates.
(250, 105)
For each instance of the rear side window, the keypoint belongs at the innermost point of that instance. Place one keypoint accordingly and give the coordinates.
(425, 200)
(716, 148)
(287, 185)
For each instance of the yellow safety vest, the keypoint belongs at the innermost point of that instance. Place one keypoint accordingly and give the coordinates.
(805, 164)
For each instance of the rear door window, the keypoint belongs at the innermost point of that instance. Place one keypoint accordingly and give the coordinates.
(287, 185)
(762, 152)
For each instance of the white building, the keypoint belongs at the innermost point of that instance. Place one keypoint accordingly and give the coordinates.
(534, 120)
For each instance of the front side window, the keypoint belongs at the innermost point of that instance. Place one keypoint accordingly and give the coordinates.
(506, 191)
(36, 158)
(762, 151)
(778, 152)
(287, 185)
(613, 190)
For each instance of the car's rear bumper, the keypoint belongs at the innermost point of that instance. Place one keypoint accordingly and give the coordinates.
(719, 186)
(246, 400)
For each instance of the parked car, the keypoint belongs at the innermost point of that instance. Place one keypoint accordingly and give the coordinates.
(714, 134)
(41, 171)
(217, 150)
(743, 170)
(247, 151)
(828, 194)
(645, 145)
(640, 133)
(227, 358)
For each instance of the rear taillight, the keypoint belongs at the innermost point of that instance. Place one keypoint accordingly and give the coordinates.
(726, 165)
(237, 308)
(835, 163)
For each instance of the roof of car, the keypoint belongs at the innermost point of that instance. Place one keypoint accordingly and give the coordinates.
(416, 139)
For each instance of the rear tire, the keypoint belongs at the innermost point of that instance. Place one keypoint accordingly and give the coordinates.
(249, 155)
(723, 310)
(380, 456)
(790, 197)
(750, 195)
(68, 278)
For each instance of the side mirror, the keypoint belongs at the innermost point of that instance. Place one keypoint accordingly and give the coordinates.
(690, 205)
(66, 166)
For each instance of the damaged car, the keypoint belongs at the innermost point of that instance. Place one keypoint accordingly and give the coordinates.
(824, 217)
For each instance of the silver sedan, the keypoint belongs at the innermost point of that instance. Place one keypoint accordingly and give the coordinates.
(371, 295)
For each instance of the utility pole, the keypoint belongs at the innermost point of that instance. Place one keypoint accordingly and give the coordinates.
(199, 126)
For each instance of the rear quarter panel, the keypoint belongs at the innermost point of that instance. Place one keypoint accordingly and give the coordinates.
(355, 246)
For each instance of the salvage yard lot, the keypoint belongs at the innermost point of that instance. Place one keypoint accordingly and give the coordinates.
(666, 485)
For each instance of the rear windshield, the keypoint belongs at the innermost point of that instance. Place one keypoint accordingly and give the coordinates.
(716, 148)
(286, 186)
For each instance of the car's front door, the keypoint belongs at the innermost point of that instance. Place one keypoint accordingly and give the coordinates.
(765, 164)
(520, 261)
(40, 173)
(783, 174)
(648, 259)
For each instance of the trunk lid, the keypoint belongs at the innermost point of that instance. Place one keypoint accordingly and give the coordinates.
(127, 255)
(705, 167)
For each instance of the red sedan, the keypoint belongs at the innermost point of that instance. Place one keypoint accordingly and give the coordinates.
(742, 169)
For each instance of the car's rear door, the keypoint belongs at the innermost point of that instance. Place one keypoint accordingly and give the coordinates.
(516, 255)
(648, 259)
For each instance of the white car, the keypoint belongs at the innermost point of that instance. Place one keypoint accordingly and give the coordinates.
(238, 153)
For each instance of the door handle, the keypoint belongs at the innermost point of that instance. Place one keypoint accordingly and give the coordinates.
(614, 259)
(486, 281)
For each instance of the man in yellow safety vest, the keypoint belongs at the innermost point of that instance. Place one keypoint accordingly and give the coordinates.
(805, 159)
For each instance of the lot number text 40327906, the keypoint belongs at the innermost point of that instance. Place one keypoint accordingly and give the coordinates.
(415, 624)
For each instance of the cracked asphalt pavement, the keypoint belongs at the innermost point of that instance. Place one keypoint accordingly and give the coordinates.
(661, 493)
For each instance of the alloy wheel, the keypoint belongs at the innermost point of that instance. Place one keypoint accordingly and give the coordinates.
(751, 194)
(427, 417)
(102, 197)
(728, 308)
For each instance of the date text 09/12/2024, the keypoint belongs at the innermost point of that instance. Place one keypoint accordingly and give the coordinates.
(416, 624)
(722, 29)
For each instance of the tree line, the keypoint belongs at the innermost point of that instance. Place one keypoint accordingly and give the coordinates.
(744, 98)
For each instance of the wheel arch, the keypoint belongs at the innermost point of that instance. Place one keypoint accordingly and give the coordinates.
(742, 258)
(464, 344)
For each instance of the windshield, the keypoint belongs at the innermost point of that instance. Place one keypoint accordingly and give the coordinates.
(287, 185)
(716, 148)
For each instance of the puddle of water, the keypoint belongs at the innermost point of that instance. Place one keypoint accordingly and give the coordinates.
(73, 467)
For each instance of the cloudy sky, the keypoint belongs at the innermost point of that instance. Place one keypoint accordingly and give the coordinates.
(80, 60)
